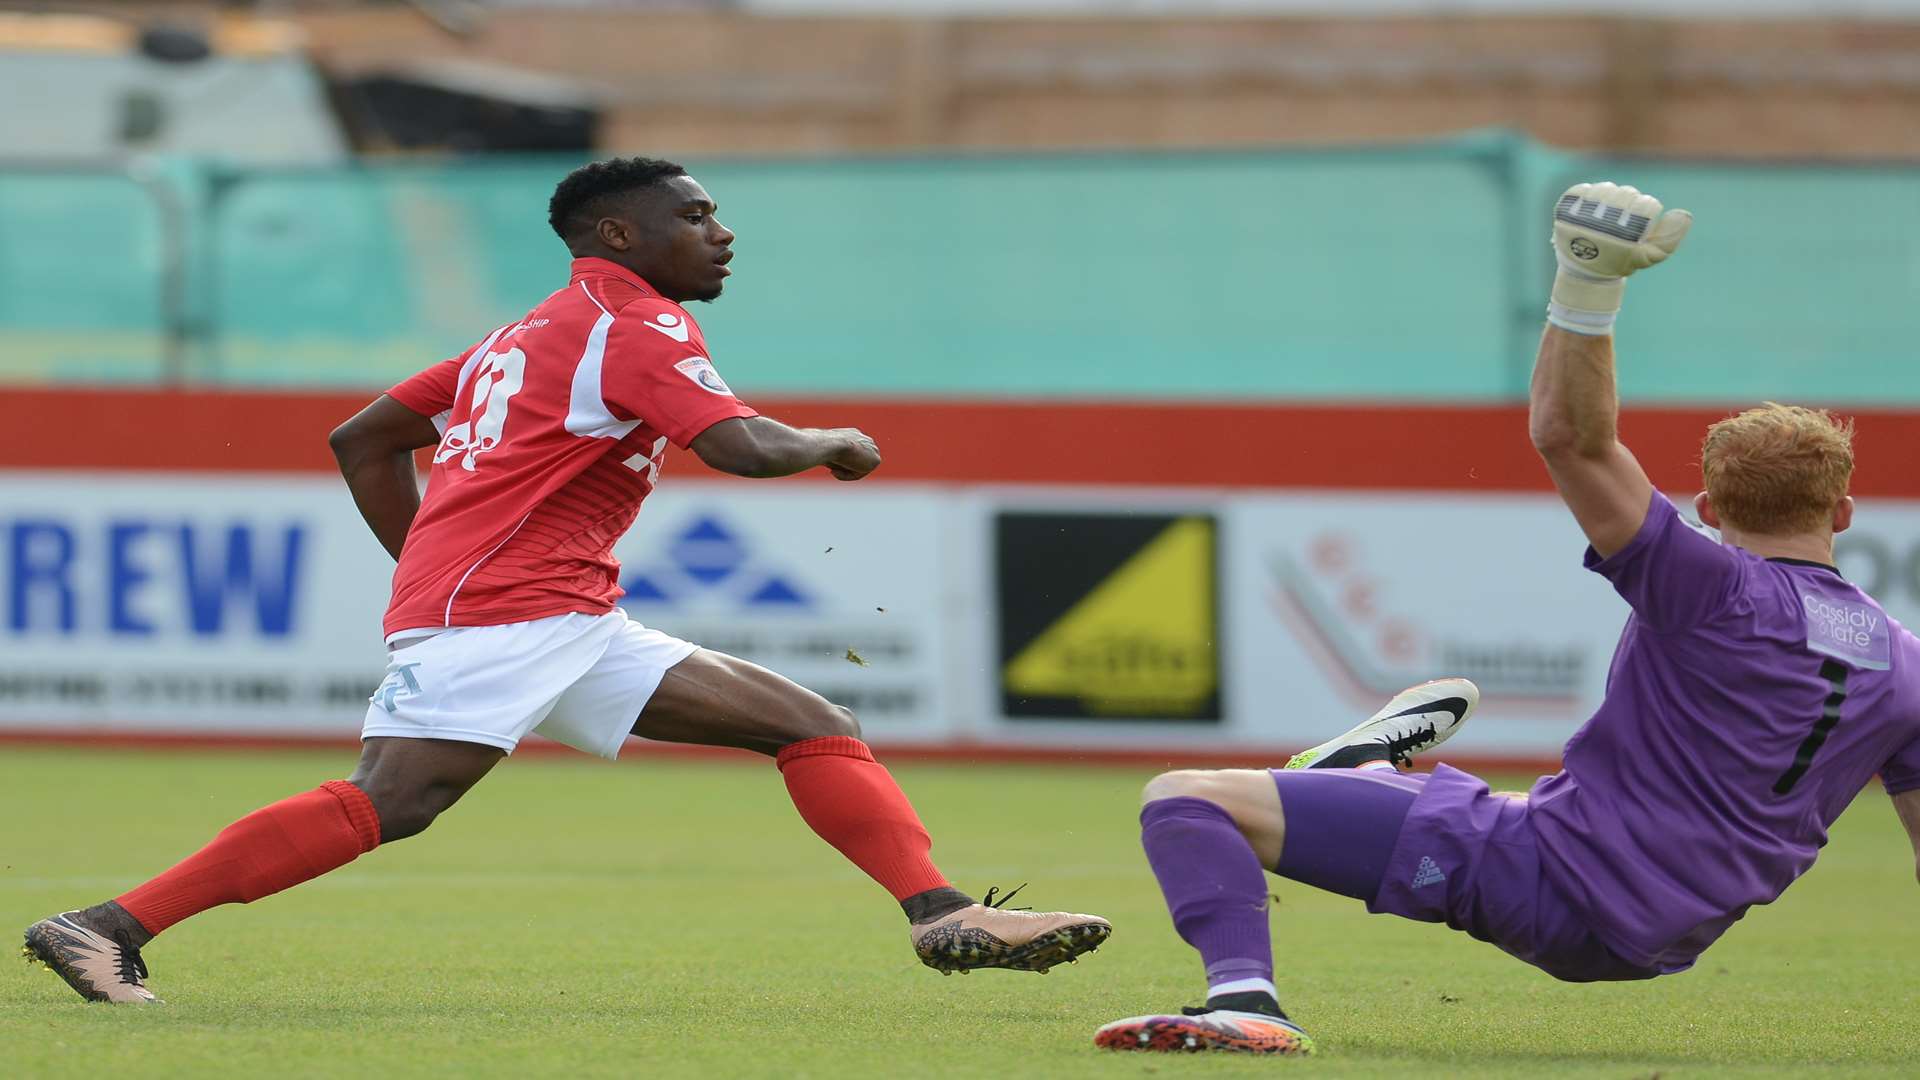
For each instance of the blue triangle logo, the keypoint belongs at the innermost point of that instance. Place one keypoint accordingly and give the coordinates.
(775, 592)
(642, 589)
(707, 529)
(707, 552)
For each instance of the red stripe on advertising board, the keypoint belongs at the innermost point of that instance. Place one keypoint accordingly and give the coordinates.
(1435, 447)
(55, 737)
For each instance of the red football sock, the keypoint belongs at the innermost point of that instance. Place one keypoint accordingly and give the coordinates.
(851, 801)
(275, 847)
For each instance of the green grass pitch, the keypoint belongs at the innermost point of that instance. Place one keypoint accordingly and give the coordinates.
(675, 918)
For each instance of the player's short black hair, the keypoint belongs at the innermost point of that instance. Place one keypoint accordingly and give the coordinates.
(580, 199)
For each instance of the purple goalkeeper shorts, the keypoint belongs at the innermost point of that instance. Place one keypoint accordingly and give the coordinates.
(1438, 848)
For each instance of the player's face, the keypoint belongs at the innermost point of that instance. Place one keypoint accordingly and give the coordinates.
(683, 249)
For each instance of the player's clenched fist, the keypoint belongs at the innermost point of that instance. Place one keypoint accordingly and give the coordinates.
(858, 457)
(1602, 233)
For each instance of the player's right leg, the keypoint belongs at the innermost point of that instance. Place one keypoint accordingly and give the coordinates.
(852, 802)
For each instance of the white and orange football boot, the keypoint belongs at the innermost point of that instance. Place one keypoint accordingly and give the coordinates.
(98, 967)
(1200, 1029)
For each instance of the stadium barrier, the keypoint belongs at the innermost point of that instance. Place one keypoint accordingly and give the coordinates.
(1154, 581)
(1389, 272)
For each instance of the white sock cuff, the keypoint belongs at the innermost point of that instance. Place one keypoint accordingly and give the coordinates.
(1243, 986)
(1591, 323)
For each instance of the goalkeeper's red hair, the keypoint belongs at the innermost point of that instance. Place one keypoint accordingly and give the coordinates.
(1778, 470)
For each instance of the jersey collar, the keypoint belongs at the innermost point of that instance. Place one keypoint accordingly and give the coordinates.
(1828, 567)
(592, 266)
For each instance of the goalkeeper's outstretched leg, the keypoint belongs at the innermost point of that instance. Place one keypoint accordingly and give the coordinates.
(1330, 819)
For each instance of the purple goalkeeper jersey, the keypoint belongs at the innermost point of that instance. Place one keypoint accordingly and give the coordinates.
(1749, 701)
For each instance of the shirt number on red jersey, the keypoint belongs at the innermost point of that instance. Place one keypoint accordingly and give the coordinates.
(495, 381)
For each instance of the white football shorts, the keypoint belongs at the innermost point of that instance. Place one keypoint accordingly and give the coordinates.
(576, 679)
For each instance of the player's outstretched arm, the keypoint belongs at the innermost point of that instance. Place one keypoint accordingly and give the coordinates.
(1907, 805)
(1573, 418)
(1601, 233)
(760, 447)
(375, 451)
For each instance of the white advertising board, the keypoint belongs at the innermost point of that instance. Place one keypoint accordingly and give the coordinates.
(186, 603)
(843, 591)
(1179, 619)
(1340, 601)
(1329, 603)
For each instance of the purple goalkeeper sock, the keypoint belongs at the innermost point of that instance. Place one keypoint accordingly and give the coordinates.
(1214, 886)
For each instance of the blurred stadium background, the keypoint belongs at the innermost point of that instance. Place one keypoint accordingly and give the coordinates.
(1196, 334)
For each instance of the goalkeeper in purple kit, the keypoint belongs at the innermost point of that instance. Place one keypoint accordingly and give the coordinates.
(1753, 694)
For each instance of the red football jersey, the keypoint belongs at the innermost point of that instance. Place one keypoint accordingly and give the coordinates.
(552, 432)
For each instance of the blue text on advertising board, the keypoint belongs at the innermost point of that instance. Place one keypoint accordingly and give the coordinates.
(134, 577)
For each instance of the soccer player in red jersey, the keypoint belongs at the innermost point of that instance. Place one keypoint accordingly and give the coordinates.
(549, 434)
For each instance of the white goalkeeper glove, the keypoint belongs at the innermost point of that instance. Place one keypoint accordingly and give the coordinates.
(1602, 233)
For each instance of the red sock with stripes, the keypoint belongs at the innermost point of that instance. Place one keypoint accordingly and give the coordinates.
(851, 801)
(275, 847)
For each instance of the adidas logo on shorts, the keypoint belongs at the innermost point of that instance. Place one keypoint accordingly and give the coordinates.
(1428, 873)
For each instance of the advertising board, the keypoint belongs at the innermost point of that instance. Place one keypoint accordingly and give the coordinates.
(1107, 616)
(1057, 599)
(842, 591)
(252, 604)
(1340, 601)
(190, 602)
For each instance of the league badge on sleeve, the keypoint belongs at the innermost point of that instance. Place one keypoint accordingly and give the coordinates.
(700, 370)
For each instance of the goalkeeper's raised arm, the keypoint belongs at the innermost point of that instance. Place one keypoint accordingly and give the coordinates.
(1601, 234)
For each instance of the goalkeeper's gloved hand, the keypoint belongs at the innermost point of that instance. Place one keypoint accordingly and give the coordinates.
(1601, 233)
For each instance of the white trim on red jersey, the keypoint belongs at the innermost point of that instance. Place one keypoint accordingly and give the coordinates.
(587, 412)
(447, 619)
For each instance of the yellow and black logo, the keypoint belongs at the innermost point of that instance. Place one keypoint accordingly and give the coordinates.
(1108, 616)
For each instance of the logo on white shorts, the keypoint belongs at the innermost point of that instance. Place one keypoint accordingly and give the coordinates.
(399, 681)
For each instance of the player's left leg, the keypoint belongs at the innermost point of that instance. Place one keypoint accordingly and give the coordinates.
(687, 695)
(1210, 837)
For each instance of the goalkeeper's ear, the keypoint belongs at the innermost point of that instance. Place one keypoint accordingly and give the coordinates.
(1703, 508)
